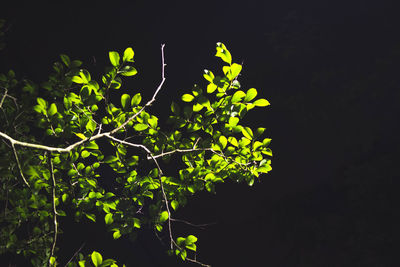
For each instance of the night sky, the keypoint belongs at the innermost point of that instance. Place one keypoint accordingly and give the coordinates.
(330, 70)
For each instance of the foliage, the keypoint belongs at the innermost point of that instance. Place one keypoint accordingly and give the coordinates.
(86, 133)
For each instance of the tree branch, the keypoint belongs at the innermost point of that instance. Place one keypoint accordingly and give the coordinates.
(54, 209)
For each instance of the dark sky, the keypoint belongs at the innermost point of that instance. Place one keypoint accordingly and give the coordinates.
(331, 72)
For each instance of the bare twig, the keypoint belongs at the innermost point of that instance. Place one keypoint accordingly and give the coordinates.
(54, 209)
(76, 253)
(201, 226)
(197, 262)
(19, 165)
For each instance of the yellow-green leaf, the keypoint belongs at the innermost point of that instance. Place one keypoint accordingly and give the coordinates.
(128, 55)
(261, 102)
(187, 98)
(114, 58)
(80, 135)
(97, 259)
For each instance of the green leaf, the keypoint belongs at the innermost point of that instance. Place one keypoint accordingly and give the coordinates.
(77, 79)
(208, 75)
(235, 70)
(247, 132)
(110, 159)
(97, 259)
(175, 108)
(140, 127)
(65, 59)
(163, 216)
(223, 141)
(91, 145)
(125, 100)
(211, 88)
(174, 204)
(136, 223)
(91, 217)
(223, 53)
(261, 102)
(114, 58)
(41, 102)
(91, 126)
(116, 234)
(187, 98)
(250, 95)
(128, 71)
(190, 239)
(52, 261)
(85, 154)
(85, 75)
(233, 121)
(109, 218)
(52, 109)
(64, 197)
(128, 55)
(80, 135)
(237, 96)
(136, 100)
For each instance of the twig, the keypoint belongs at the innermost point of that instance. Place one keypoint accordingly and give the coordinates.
(76, 253)
(54, 208)
(19, 165)
(197, 262)
(201, 226)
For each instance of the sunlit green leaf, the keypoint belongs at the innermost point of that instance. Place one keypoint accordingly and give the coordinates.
(163, 216)
(128, 55)
(97, 259)
(52, 109)
(140, 127)
(208, 75)
(41, 102)
(223, 141)
(136, 100)
(250, 95)
(174, 204)
(109, 218)
(90, 216)
(190, 239)
(85, 154)
(261, 103)
(77, 79)
(237, 96)
(187, 98)
(91, 126)
(125, 100)
(116, 234)
(80, 135)
(235, 70)
(114, 58)
(211, 88)
(128, 71)
(247, 132)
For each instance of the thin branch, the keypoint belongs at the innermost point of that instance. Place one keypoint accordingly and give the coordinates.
(197, 262)
(4, 97)
(54, 209)
(201, 226)
(19, 165)
(76, 253)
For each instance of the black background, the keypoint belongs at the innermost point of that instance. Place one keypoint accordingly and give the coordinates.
(331, 72)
